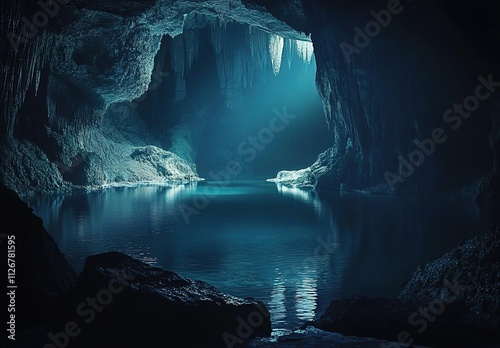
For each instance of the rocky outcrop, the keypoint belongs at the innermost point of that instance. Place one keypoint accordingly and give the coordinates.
(452, 301)
(400, 321)
(378, 99)
(156, 308)
(42, 274)
(473, 268)
(111, 153)
(314, 338)
(163, 165)
(26, 169)
(326, 172)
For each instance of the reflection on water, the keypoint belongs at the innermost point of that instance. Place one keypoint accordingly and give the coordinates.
(306, 297)
(294, 249)
(308, 196)
(277, 301)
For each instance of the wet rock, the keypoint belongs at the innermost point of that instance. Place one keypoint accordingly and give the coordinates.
(398, 321)
(471, 270)
(86, 170)
(452, 301)
(314, 338)
(156, 308)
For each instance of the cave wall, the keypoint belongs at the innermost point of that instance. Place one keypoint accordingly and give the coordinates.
(394, 91)
(387, 95)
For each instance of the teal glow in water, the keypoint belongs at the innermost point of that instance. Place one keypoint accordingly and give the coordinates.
(290, 248)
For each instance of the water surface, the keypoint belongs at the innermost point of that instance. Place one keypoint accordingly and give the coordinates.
(292, 249)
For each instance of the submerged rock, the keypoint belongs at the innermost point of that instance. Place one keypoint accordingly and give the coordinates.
(152, 307)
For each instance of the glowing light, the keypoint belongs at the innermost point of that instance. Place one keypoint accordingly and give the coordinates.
(306, 297)
(305, 50)
(276, 47)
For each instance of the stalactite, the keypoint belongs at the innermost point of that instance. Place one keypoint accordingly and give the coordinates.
(305, 50)
(178, 55)
(21, 65)
(192, 47)
(258, 41)
(276, 46)
(242, 52)
(290, 45)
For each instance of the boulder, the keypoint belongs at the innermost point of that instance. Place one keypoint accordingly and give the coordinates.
(452, 301)
(161, 165)
(397, 320)
(470, 271)
(144, 306)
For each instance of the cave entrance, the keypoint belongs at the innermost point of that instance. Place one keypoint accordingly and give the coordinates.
(225, 93)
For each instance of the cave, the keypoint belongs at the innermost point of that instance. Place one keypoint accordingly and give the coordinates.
(250, 173)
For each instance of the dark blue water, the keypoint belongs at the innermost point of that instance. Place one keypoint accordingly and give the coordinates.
(290, 248)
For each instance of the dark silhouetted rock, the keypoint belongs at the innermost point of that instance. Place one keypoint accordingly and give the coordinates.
(314, 338)
(472, 269)
(451, 302)
(157, 308)
(397, 320)
(43, 276)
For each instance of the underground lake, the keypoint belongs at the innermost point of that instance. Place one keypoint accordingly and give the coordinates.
(294, 249)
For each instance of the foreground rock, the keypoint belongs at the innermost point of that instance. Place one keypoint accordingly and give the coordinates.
(453, 301)
(38, 268)
(144, 306)
(314, 338)
(471, 271)
(390, 319)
